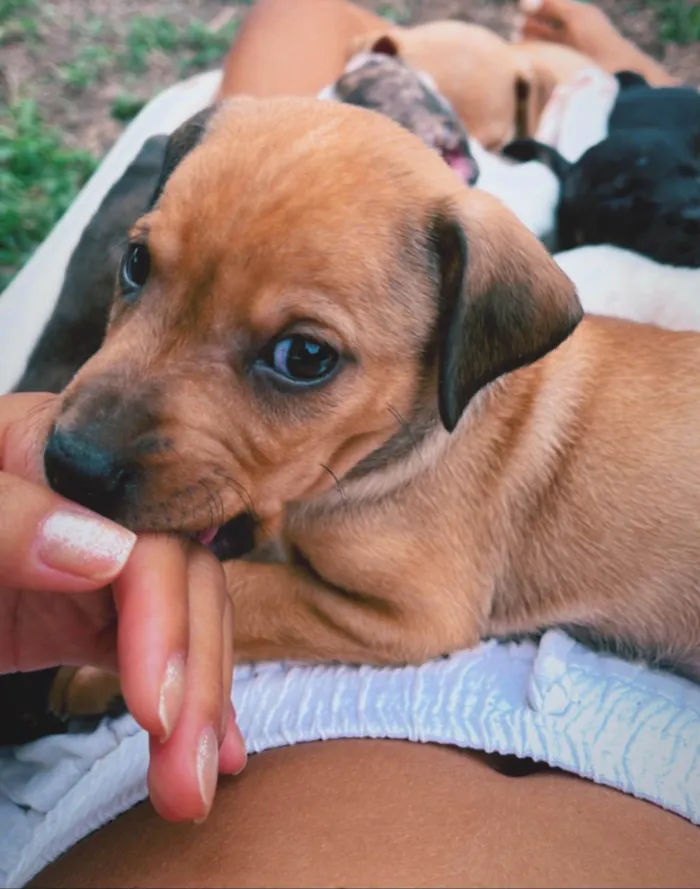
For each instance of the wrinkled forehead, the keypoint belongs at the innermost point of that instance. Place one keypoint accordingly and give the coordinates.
(295, 205)
(323, 190)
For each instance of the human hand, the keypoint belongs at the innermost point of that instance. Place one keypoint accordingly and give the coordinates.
(586, 28)
(78, 589)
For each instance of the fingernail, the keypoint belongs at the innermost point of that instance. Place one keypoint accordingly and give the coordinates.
(207, 769)
(84, 545)
(530, 5)
(172, 694)
(232, 754)
(241, 740)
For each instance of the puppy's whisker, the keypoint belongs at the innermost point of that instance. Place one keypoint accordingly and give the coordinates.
(240, 491)
(406, 428)
(335, 478)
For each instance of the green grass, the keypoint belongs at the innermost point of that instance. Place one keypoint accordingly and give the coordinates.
(10, 8)
(39, 177)
(393, 15)
(197, 45)
(18, 21)
(203, 47)
(679, 20)
(125, 107)
(87, 67)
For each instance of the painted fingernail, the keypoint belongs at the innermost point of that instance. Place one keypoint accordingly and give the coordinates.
(172, 694)
(232, 754)
(84, 545)
(207, 768)
(238, 734)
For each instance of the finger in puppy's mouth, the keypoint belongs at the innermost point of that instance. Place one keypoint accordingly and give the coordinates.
(232, 540)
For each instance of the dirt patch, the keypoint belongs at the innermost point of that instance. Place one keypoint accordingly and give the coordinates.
(88, 64)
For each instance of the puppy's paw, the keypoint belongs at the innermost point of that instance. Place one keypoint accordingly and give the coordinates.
(85, 692)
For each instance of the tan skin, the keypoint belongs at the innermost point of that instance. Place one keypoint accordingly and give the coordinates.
(379, 813)
(392, 813)
(584, 27)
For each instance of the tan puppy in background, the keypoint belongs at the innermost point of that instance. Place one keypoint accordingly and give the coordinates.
(497, 88)
(319, 325)
(476, 70)
(550, 65)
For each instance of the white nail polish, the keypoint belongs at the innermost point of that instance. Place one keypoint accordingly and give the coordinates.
(207, 768)
(172, 693)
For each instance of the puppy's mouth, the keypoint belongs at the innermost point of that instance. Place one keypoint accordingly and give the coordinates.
(231, 540)
(463, 165)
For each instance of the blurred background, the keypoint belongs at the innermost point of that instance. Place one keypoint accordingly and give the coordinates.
(73, 73)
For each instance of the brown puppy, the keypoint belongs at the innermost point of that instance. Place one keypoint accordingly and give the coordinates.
(485, 81)
(317, 323)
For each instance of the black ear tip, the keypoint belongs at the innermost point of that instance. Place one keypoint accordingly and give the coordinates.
(521, 149)
(627, 79)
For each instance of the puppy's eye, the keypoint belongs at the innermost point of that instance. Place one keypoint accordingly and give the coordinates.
(301, 359)
(135, 267)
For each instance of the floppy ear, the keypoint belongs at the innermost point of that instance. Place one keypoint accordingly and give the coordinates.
(524, 150)
(503, 301)
(181, 142)
(627, 79)
(385, 45)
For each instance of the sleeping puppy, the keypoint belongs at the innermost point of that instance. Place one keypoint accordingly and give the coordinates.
(380, 81)
(550, 65)
(392, 377)
(78, 323)
(675, 111)
(483, 79)
(637, 189)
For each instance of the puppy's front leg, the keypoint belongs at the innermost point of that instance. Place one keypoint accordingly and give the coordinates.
(286, 612)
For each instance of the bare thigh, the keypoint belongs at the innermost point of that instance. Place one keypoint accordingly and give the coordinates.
(294, 47)
(392, 813)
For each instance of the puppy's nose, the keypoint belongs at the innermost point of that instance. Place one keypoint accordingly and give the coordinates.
(85, 470)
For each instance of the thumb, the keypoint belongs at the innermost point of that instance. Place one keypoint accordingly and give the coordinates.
(50, 544)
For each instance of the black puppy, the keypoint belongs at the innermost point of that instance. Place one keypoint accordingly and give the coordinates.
(77, 325)
(673, 110)
(638, 189)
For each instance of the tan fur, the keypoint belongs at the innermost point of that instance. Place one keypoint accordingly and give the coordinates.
(83, 691)
(568, 492)
(551, 65)
(498, 89)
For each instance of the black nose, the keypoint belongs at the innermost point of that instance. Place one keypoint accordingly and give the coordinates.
(85, 470)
